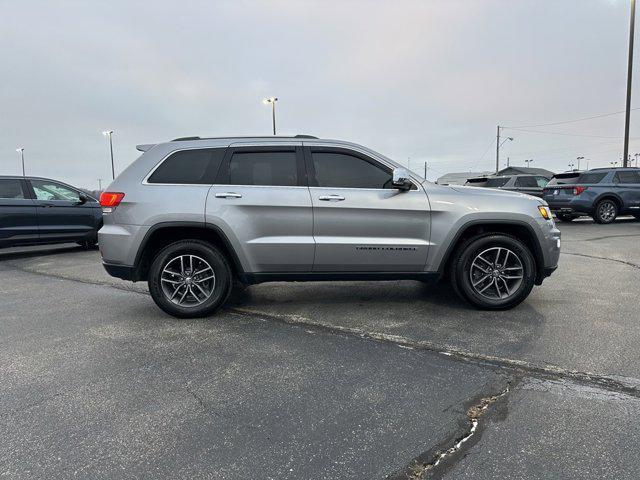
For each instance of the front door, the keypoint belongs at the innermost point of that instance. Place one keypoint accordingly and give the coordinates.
(362, 223)
(261, 202)
(18, 219)
(61, 214)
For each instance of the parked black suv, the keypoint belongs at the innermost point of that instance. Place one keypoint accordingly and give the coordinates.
(603, 193)
(38, 210)
(529, 184)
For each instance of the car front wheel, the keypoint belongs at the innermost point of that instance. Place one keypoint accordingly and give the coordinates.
(190, 279)
(606, 211)
(493, 272)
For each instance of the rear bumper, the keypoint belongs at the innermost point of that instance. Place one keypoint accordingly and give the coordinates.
(124, 272)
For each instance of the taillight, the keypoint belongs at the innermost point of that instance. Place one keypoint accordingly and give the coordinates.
(579, 190)
(109, 200)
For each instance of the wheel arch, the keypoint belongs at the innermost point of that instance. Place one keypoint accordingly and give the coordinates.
(163, 234)
(609, 196)
(476, 228)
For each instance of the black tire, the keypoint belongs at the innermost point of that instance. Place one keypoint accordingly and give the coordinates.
(221, 285)
(511, 292)
(606, 211)
(565, 217)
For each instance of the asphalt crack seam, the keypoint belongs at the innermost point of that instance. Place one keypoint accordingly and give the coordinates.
(630, 264)
(631, 388)
(446, 455)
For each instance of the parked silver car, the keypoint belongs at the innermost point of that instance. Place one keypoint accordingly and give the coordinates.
(195, 215)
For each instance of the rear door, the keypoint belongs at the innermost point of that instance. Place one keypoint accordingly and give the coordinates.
(61, 214)
(628, 189)
(362, 223)
(18, 219)
(261, 202)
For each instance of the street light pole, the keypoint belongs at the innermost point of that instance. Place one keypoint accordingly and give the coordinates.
(109, 133)
(21, 152)
(498, 150)
(625, 156)
(528, 162)
(272, 101)
(579, 158)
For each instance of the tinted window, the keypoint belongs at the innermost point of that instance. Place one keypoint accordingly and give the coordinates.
(565, 179)
(526, 182)
(542, 181)
(11, 188)
(628, 177)
(263, 168)
(189, 166)
(341, 170)
(595, 177)
(496, 182)
(48, 190)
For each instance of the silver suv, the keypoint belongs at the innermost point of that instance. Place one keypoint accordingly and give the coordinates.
(195, 216)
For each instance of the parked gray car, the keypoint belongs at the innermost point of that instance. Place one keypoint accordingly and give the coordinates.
(523, 183)
(195, 215)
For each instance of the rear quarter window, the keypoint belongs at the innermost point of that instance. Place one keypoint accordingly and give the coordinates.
(197, 166)
(496, 182)
(627, 177)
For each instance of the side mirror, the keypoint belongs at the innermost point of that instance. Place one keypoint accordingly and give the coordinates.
(82, 199)
(400, 179)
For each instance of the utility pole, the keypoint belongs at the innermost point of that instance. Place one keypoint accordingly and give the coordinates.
(636, 155)
(21, 152)
(498, 150)
(425, 170)
(507, 161)
(625, 155)
(100, 184)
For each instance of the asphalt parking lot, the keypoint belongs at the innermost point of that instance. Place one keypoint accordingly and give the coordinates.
(323, 380)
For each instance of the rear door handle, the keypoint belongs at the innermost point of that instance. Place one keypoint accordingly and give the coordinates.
(47, 205)
(228, 195)
(331, 198)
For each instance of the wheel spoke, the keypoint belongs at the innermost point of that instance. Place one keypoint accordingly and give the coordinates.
(174, 282)
(201, 271)
(200, 280)
(505, 286)
(480, 281)
(201, 290)
(175, 292)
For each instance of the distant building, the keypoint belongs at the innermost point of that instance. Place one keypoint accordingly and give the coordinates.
(511, 170)
(459, 178)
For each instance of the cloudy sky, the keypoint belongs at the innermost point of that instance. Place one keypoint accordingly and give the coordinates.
(419, 81)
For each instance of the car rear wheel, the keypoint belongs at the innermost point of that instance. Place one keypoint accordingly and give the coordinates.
(606, 211)
(190, 279)
(493, 272)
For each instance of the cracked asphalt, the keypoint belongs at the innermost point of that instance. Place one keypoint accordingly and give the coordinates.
(320, 380)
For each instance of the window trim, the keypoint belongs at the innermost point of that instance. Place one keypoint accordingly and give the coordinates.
(146, 181)
(313, 182)
(223, 172)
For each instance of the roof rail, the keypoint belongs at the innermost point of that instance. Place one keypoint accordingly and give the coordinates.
(186, 139)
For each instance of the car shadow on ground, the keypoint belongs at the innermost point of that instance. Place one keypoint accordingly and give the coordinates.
(12, 253)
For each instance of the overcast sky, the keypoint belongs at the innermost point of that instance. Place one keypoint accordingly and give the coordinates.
(419, 81)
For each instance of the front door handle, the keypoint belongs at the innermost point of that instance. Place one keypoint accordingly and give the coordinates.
(331, 198)
(228, 195)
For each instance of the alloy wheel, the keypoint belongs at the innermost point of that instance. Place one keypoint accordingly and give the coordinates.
(496, 273)
(187, 280)
(607, 211)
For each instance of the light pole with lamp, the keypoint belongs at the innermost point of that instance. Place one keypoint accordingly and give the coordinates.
(528, 162)
(109, 133)
(272, 101)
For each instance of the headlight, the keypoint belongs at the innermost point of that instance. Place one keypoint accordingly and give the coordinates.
(545, 212)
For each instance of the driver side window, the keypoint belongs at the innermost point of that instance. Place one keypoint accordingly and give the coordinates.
(341, 170)
(47, 190)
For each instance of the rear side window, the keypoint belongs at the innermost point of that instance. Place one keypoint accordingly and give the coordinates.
(566, 179)
(198, 166)
(11, 188)
(595, 177)
(526, 182)
(264, 168)
(341, 170)
(628, 177)
(496, 182)
(49, 190)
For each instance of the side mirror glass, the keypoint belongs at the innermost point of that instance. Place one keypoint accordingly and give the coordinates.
(400, 179)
